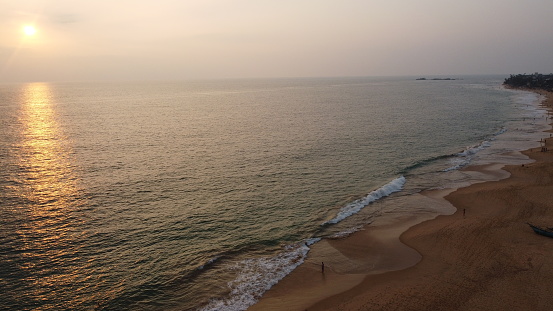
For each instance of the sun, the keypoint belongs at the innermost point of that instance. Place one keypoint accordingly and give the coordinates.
(29, 30)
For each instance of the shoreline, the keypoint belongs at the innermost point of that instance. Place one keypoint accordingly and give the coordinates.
(439, 260)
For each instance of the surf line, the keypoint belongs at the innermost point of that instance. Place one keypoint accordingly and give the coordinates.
(355, 206)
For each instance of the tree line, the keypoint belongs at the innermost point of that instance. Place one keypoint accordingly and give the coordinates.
(531, 81)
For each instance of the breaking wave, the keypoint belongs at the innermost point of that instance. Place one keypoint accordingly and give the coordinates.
(354, 207)
(257, 275)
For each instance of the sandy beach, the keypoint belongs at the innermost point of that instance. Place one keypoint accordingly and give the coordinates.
(475, 251)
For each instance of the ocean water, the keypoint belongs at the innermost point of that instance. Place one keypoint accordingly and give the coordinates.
(201, 195)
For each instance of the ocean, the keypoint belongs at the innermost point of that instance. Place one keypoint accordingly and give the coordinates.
(201, 195)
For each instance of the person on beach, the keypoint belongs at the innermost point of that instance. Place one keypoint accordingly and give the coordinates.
(322, 267)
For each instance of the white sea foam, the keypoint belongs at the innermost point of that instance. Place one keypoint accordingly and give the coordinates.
(346, 233)
(527, 98)
(501, 131)
(469, 151)
(257, 275)
(209, 262)
(354, 207)
(463, 158)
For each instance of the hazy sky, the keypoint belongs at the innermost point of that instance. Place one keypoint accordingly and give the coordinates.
(180, 39)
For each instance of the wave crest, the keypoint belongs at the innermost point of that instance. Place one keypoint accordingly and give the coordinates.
(354, 207)
(257, 275)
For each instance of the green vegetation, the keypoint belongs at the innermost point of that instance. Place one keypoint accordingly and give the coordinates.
(532, 81)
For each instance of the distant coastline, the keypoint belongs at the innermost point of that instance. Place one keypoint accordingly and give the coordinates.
(531, 81)
(437, 79)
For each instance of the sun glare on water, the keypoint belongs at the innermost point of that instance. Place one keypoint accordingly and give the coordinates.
(29, 30)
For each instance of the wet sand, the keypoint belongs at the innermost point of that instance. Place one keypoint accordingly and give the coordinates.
(471, 252)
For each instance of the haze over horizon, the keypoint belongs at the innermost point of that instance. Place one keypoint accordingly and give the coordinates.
(176, 40)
